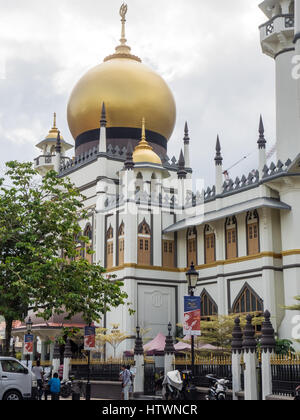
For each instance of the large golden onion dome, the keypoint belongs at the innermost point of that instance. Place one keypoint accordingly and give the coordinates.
(130, 91)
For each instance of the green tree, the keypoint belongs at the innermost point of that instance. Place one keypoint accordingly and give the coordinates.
(40, 268)
(218, 331)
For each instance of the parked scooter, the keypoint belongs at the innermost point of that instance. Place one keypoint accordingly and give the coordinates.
(218, 390)
(172, 386)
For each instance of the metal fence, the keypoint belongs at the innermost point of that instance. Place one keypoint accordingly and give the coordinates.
(221, 367)
(99, 370)
(285, 374)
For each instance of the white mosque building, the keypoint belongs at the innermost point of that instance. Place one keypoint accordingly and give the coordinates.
(147, 226)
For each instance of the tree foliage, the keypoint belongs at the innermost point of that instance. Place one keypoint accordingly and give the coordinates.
(40, 266)
(218, 331)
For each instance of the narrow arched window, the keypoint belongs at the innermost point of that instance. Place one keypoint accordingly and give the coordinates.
(88, 233)
(253, 246)
(191, 246)
(109, 247)
(121, 243)
(209, 307)
(231, 238)
(144, 243)
(209, 244)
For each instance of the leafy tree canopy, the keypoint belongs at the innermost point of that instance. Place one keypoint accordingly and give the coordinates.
(40, 266)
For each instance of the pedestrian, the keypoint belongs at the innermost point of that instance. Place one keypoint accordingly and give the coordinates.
(38, 372)
(120, 377)
(126, 382)
(61, 371)
(132, 371)
(54, 384)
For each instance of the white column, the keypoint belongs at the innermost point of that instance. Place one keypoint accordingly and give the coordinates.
(266, 372)
(236, 374)
(169, 362)
(138, 385)
(251, 393)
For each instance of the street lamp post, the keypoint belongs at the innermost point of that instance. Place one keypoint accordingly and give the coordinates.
(29, 329)
(192, 279)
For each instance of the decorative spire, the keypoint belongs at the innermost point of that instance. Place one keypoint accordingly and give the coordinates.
(54, 120)
(169, 347)
(261, 141)
(268, 341)
(123, 50)
(237, 335)
(138, 348)
(181, 173)
(218, 158)
(249, 342)
(186, 134)
(103, 120)
(129, 164)
(58, 143)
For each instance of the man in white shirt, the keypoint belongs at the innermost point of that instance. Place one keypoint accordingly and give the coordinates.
(38, 371)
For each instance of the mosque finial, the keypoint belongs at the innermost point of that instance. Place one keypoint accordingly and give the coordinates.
(123, 50)
(143, 139)
(54, 120)
(123, 13)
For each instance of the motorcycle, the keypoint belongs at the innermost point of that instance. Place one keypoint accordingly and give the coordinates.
(172, 386)
(217, 391)
(66, 388)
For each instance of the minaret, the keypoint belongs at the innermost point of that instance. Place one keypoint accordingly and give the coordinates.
(186, 141)
(57, 153)
(261, 148)
(219, 168)
(181, 173)
(103, 122)
(277, 40)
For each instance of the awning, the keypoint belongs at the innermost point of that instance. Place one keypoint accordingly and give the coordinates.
(225, 212)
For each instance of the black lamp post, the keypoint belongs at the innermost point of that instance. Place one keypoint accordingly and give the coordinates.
(192, 278)
(29, 324)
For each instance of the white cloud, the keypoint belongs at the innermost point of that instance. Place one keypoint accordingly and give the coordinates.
(208, 52)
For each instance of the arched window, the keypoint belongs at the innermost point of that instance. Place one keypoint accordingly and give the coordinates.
(247, 301)
(209, 244)
(191, 246)
(208, 306)
(144, 244)
(168, 252)
(253, 246)
(139, 183)
(109, 247)
(121, 243)
(231, 237)
(88, 233)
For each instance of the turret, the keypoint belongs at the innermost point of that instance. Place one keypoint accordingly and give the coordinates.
(277, 41)
(219, 167)
(46, 160)
(261, 148)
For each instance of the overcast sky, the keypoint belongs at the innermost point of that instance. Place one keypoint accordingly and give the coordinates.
(208, 51)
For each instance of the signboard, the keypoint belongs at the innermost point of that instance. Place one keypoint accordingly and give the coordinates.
(191, 324)
(90, 338)
(28, 344)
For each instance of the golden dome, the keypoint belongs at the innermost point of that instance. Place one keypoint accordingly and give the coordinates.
(130, 91)
(54, 130)
(143, 153)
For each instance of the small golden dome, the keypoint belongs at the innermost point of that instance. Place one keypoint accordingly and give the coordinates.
(130, 91)
(143, 153)
(54, 130)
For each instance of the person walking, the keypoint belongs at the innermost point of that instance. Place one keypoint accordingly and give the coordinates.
(126, 382)
(54, 384)
(38, 372)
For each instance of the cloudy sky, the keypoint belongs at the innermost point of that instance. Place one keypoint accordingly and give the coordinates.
(207, 50)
